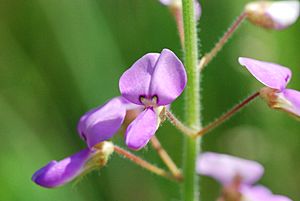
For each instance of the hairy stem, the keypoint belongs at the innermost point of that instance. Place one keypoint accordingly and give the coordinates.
(227, 115)
(190, 187)
(179, 125)
(140, 162)
(166, 158)
(219, 45)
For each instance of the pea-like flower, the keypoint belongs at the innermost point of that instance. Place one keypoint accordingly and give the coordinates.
(275, 77)
(177, 4)
(237, 176)
(55, 173)
(94, 127)
(273, 14)
(154, 81)
(225, 168)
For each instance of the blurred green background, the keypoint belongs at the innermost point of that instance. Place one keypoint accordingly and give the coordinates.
(60, 58)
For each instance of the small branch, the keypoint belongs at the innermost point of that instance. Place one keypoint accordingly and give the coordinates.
(209, 56)
(179, 125)
(166, 158)
(227, 115)
(148, 166)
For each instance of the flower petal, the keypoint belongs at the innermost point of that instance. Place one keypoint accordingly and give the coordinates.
(260, 193)
(135, 82)
(284, 13)
(102, 123)
(161, 75)
(169, 78)
(289, 101)
(58, 173)
(273, 15)
(225, 168)
(140, 131)
(271, 75)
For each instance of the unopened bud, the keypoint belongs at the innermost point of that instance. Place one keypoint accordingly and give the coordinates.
(273, 14)
(58, 173)
(287, 100)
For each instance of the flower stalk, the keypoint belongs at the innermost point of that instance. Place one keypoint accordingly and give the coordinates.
(227, 115)
(207, 58)
(144, 164)
(178, 124)
(190, 186)
(166, 158)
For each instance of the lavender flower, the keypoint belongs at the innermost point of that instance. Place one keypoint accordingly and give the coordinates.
(226, 168)
(101, 123)
(55, 173)
(260, 193)
(155, 80)
(275, 77)
(237, 176)
(273, 15)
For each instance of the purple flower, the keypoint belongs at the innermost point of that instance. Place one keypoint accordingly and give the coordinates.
(177, 4)
(101, 123)
(260, 193)
(226, 168)
(275, 78)
(237, 176)
(273, 15)
(153, 81)
(55, 173)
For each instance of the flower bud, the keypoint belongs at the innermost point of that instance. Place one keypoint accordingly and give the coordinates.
(55, 173)
(273, 15)
(287, 100)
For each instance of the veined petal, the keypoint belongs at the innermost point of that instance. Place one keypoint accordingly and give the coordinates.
(102, 123)
(271, 75)
(58, 173)
(260, 193)
(135, 82)
(169, 78)
(226, 168)
(140, 131)
(154, 75)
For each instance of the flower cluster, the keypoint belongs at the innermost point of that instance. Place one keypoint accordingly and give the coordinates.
(152, 82)
(237, 177)
(148, 88)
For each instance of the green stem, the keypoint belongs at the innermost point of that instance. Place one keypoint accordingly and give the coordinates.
(190, 185)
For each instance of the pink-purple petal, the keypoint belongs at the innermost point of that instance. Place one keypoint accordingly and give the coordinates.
(141, 130)
(283, 13)
(102, 123)
(55, 173)
(169, 78)
(225, 168)
(135, 81)
(260, 193)
(271, 75)
(290, 101)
